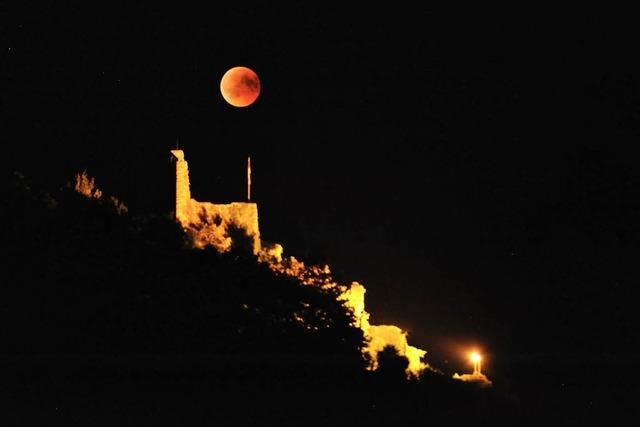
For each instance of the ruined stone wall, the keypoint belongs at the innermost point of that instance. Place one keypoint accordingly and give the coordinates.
(223, 216)
(183, 192)
(211, 223)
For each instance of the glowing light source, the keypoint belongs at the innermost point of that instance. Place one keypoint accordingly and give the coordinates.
(476, 359)
(477, 376)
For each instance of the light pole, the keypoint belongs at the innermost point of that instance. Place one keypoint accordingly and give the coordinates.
(476, 359)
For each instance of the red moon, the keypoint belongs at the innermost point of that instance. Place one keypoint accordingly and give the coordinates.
(240, 86)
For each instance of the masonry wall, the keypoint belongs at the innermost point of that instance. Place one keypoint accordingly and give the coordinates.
(210, 223)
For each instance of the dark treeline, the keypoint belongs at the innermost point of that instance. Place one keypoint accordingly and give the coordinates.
(84, 279)
(99, 308)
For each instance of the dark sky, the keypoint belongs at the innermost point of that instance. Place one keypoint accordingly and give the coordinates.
(473, 169)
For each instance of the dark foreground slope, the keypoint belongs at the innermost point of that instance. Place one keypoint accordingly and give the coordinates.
(110, 319)
(84, 279)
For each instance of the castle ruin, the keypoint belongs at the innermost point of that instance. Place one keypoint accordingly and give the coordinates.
(212, 223)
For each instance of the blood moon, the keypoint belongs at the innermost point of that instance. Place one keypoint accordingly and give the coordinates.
(240, 86)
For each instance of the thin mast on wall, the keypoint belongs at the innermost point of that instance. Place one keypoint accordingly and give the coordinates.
(249, 178)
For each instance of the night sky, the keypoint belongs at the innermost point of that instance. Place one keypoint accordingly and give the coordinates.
(473, 169)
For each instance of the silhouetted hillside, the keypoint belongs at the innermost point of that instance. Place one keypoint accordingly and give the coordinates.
(84, 279)
(100, 307)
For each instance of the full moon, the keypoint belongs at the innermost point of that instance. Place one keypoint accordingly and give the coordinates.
(240, 86)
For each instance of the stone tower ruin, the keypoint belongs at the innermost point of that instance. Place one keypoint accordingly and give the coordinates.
(210, 223)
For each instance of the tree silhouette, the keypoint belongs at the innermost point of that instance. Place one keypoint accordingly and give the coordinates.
(85, 277)
(391, 365)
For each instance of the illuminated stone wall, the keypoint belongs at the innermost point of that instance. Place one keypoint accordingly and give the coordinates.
(211, 223)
